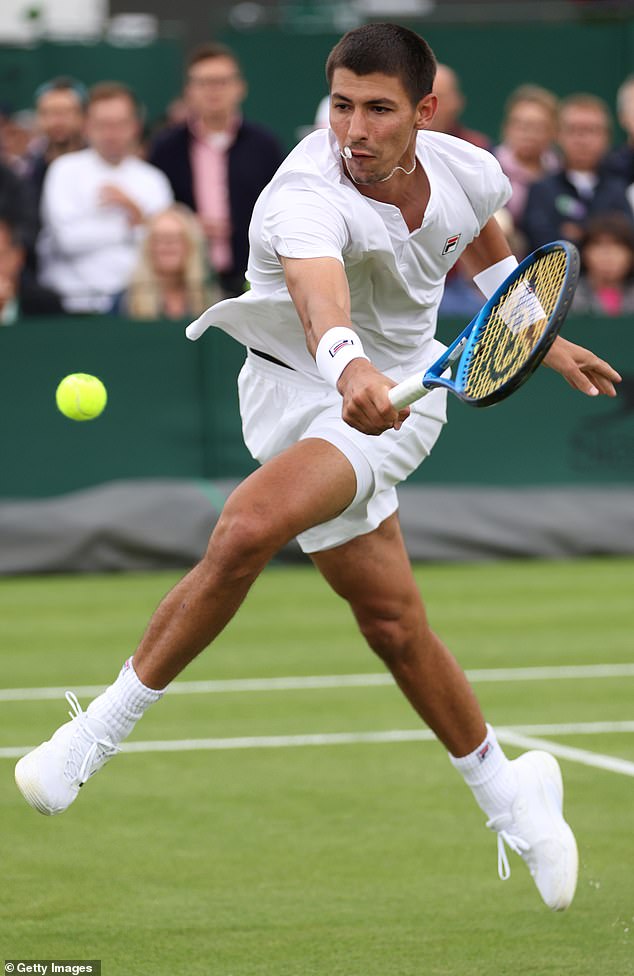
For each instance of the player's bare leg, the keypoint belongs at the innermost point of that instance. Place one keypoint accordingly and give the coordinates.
(523, 799)
(373, 573)
(310, 483)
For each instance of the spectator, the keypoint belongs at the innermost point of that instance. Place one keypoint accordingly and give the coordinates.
(17, 206)
(170, 279)
(20, 293)
(218, 162)
(515, 238)
(16, 136)
(560, 205)
(322, 114)
(526, 153)
(606, 285)
(59, 107)
(94, 203)
(451, 104)
(620, 162)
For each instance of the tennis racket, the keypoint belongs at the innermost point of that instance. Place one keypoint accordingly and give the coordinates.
(510, 335)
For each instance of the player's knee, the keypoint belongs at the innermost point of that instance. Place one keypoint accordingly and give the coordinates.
(242, 543)
(389, 635)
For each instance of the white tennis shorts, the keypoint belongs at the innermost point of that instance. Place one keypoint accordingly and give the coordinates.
(280, 406)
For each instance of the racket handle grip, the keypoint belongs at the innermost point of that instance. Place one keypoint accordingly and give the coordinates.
(407, 392)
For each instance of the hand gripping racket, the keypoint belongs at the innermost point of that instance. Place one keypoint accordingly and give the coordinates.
(509, 336)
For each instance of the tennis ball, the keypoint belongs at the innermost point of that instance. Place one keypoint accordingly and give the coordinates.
(81, 396)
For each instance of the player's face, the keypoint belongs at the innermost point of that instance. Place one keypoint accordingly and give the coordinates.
(373, 115)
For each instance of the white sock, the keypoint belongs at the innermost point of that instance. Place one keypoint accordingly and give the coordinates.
(490, 775)
(123, 703)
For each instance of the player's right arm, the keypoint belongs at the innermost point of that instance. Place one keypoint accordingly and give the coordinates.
(320, 293)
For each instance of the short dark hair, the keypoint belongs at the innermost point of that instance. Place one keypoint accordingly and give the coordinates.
(388, 49)
(204, 52)
(536, 95)
(105, 90)
(63, 83)
(587, 100)
(613, 224)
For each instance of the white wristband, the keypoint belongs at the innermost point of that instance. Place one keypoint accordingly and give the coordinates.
(489, 280)
(337, 347)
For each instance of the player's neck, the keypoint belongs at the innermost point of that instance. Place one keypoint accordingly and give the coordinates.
(409, 193)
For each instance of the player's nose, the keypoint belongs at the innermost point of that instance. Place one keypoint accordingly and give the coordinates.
(357, 128)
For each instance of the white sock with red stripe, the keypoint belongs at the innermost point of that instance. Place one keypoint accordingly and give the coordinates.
(490, 775)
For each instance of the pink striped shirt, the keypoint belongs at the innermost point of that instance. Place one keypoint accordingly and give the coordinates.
(210, 173)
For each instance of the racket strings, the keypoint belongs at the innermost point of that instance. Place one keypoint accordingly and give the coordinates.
(515, 326)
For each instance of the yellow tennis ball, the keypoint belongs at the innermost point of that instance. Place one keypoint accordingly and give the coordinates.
(81, 396)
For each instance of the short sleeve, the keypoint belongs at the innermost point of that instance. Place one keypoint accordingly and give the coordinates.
(477, 171)
(487, 187)
(300, 222)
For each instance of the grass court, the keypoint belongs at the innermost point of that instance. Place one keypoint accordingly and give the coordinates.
(311, 827)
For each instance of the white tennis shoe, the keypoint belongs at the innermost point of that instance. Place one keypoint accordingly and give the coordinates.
(49, 777)
(536, 830)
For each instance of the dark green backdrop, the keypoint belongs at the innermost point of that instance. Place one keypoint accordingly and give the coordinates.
(154, 72)
(286, 70)
(173, 413)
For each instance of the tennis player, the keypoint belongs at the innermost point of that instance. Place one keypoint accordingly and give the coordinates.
(351, 240)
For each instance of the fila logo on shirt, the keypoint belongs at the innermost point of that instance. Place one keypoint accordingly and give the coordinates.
(451, 244)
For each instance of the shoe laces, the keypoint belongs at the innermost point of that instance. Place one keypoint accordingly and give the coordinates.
(82, 762)
(506, 838)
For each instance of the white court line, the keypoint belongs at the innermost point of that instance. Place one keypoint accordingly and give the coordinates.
(309, 682)
(516, 735)
(583, 756)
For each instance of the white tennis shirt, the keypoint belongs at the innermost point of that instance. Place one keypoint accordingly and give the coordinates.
(312, 209)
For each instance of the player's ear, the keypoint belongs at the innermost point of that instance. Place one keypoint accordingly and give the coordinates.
(425, 111)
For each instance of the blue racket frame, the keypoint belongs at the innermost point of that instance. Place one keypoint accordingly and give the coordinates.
(463, 346)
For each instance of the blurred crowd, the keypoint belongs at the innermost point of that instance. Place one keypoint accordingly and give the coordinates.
(568, 181)
(99, 216)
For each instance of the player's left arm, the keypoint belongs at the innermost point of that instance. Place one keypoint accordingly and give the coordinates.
(579, 366)
(486, 250)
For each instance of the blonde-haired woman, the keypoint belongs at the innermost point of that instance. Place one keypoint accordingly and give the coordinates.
(527, 153)
(171, 278)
